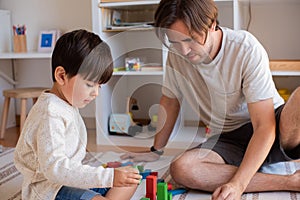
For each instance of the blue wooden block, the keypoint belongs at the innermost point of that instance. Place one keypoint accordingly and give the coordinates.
(177, 191)
(145, 173)
(127, 164)
(160, 180)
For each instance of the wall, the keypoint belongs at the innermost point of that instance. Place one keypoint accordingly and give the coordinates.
(276, 24)
(40, 15)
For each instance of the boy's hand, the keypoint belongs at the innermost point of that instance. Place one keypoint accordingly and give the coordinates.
(126, 177)
(141, 157)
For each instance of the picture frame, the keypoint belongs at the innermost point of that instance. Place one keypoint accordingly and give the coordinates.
(47, 40)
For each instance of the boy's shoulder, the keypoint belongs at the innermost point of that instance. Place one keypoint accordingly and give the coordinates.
(53, 105)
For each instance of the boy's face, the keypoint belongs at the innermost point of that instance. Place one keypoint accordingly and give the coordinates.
(79, 92)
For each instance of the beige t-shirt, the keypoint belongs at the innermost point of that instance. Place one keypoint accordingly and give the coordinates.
(51, 148)
(219, 91)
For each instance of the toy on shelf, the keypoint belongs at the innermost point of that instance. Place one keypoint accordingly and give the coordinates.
(284, 93)
(119, 123)
(153, 124)
(132, 64)
(122, 123)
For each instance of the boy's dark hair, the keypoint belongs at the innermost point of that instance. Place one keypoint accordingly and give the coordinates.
(82, 52)
(197, 15)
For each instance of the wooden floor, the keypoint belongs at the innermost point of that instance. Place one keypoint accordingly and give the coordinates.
(12, 135)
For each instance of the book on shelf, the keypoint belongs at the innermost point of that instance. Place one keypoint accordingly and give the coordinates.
(129, 25)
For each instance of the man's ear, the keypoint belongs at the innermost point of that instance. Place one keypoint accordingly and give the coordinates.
(213, 26)
(60, 75)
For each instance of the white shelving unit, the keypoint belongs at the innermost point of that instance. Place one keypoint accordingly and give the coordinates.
(142, 42)
(285, 67)
(115, 4)
(138, 73)
(286, 73)
(27, 55)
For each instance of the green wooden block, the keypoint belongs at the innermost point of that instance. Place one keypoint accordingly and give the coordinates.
(162, 191)
(140, 168)
(170, 196)
(144, 198)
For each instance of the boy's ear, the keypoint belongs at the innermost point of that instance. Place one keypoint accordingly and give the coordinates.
(60, 75)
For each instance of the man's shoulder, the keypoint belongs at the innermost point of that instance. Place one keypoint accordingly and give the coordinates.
(239, 39)
(234, 32)
(238, 36)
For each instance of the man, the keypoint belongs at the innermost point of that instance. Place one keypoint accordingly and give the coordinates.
(225, 77)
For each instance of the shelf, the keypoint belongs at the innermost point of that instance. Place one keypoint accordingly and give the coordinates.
(127, 3)
(114, 3)
(27, 55)
(138, 73)
(285, 67)
(266, 2)
(116, 29)
(285, 73)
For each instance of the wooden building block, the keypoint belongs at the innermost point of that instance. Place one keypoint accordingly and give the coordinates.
(162, 191)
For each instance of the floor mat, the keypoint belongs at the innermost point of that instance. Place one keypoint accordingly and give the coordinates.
(11, 179)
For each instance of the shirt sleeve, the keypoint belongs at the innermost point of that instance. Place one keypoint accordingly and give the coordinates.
(257, 78)
(170, 84)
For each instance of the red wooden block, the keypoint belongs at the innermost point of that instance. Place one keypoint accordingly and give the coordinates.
(154, 174)
(151, 184)
(151, 196)
(170, 186)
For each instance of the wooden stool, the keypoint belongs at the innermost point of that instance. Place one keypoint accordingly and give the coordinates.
(19, 93)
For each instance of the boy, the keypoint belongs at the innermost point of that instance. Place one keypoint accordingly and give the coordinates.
(53, 141)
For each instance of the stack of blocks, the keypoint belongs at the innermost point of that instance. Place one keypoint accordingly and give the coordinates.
(156, 189)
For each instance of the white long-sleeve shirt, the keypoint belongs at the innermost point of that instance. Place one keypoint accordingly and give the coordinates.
(51, 148)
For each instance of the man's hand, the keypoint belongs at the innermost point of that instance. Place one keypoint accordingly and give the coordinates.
(229, 191)
(126, 177)
(141, 157)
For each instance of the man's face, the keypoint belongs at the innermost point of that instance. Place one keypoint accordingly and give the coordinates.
(196, 48)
